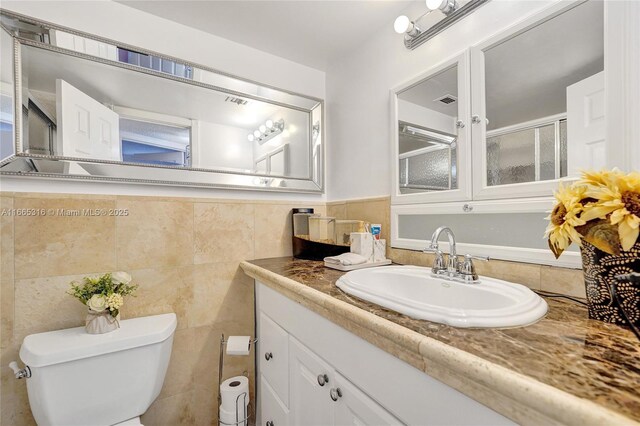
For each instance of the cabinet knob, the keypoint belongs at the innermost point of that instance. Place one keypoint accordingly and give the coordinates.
(467, 208)
(460, 124)
(268, 356)
(269, 423)
(475, 119)
(322, 379)
(335, 394)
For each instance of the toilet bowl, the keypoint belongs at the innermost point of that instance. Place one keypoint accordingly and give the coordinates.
(104, 379)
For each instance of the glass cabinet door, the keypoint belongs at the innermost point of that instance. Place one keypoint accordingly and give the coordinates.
(431, 137)
(538, 104)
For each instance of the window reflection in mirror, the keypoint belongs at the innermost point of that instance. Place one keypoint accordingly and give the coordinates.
(427, 114)
(75, 107)
(545, 99)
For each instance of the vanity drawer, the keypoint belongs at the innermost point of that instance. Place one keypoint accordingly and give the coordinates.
(274, 356)
(272, 410)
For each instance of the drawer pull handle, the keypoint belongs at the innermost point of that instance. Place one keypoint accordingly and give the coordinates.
(269, 423)
(335, 393)
(322, 379)
(268, 356)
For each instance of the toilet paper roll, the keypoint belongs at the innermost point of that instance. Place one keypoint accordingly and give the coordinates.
(228, 418)
(231, 390)
(238, 345)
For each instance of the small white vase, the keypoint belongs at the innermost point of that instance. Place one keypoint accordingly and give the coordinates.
(101, 322)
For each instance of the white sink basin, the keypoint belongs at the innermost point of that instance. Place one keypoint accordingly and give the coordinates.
(411, 290)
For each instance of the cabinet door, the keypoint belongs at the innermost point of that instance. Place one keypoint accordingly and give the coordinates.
(431, 135)
(521, 102)
(272, 410)
(311, 379)
(273, 356)
(354, 407)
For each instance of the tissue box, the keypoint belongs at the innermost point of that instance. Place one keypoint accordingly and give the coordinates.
(362, 244)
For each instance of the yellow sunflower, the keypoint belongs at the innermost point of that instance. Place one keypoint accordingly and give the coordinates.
(617, 196)
(565, 217)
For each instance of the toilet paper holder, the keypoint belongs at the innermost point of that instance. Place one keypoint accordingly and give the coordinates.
(242, 398)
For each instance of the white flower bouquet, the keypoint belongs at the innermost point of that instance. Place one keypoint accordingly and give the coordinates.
(104, 296)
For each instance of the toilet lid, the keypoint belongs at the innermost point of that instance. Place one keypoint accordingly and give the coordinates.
(55, 347)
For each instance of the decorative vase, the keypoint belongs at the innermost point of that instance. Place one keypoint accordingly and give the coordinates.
(600, 270)
(101, 322)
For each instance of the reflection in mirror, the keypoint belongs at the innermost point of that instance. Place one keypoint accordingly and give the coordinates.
(7, 143)
(75, 107)
(538, 85)
(427, 115)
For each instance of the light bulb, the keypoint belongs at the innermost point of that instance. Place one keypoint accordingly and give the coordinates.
(251, 138)
(269, 124)
(402, 24)
(262, 129)
(434, 4)
(257, 133)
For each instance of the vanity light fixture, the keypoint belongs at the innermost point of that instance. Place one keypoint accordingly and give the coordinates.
(404, 25)
(266, 131)
(452, 10)
(445, 6)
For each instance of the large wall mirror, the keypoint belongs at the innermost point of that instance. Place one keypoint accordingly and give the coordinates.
(93, 108)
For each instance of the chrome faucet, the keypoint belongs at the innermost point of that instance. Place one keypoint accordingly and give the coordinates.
(454, 270)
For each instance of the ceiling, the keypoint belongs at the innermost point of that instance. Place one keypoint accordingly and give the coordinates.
(308, 32)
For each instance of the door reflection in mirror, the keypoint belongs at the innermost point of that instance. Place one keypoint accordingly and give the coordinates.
(427, 114)
(544, 99)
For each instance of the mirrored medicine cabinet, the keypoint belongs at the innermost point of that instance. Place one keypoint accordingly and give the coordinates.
(80, 106)
(482, 139)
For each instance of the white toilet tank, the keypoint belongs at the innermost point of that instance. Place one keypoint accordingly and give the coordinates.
(97, 379)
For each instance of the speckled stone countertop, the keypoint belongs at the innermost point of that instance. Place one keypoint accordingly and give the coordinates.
(564, 369)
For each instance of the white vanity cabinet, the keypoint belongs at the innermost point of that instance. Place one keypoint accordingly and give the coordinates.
(313, 372)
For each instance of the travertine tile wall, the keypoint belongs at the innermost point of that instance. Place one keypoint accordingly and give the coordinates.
(184, 254)
(539, 277)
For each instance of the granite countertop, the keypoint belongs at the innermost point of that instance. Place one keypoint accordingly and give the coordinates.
(567, 367)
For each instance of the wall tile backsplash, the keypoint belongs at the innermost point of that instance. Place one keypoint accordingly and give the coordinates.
(184, 253)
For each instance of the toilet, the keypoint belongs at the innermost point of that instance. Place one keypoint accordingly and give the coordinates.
(98, 379)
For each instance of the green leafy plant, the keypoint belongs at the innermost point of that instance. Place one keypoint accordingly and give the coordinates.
(105, 292)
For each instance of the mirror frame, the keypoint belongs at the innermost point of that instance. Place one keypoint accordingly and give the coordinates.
(22, 163)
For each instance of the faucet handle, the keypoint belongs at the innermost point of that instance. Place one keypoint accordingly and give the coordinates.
(438, 263)
(468, 269)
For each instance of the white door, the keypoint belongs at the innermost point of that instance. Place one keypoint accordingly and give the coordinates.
(354, 408)
(86, 128)
(311, 378)
(83, 45)
(586, 144)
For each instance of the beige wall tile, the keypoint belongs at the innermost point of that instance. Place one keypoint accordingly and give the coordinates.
(180, 373)
(175, 410)
(223, 232)
(376, 211)
(563, 281)
(42, 304)
(160, 291)
(337, 210)
(6, 273)
(221, 292)
(522, 273)
(154, 234)
(273, 230)
(61, 245)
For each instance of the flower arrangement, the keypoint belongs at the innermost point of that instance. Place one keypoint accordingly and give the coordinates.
(602, 208)
(104, 294)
